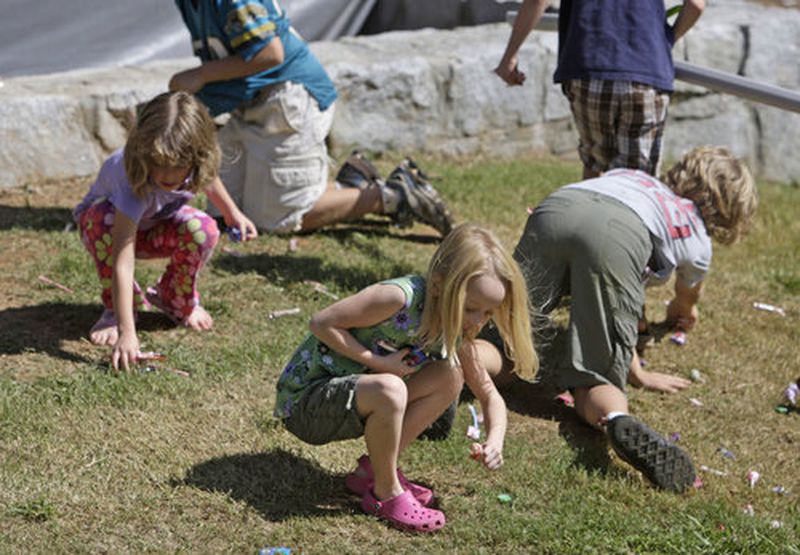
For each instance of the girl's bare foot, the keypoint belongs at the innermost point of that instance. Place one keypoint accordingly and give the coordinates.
(199, 319)
(105, 330)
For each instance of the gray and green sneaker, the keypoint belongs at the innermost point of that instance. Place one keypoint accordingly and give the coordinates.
(422, 203)
(662, 462)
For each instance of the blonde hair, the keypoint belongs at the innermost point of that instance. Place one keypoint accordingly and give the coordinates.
(721, 187)
(172, 130)
(467, 252)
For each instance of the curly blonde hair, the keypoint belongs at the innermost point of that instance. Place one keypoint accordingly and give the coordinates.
(721, 187)
(172, 130)
(467, 252)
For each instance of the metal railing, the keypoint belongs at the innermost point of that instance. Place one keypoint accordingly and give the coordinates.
(712, 79)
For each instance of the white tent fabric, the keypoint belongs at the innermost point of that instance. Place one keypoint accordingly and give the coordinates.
(48, 36)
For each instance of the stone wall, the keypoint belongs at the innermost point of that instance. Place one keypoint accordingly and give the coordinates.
(434, 91)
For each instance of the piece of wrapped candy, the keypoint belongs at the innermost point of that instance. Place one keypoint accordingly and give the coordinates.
(679, 338)
(475, 451)
(791, 393)
(753, 477)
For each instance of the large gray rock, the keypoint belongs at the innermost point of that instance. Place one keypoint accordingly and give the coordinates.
(434, 91)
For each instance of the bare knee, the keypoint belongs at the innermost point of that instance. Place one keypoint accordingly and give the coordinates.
(381, 394)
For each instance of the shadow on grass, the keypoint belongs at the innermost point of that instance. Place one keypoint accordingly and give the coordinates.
(538, 400)
(26, 217)
(277, 484)
(41, 328)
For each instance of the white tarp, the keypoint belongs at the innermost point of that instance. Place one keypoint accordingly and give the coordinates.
(48, 36)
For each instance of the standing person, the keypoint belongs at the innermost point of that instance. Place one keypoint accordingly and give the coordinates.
(615, 68)
(281, 101)
(137, 208)
(600, 241)
(385, 362)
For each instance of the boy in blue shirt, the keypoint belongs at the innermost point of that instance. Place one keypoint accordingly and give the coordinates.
(256, 67)
(615, 67)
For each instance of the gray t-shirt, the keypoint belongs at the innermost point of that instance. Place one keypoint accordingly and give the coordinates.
(680, 240)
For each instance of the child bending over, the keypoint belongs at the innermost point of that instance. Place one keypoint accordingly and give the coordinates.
(601, 241)
(137, 208)
(387, 361)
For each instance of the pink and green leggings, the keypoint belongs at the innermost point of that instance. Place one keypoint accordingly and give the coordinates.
(187, 239)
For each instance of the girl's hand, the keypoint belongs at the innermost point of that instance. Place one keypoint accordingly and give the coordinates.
(125, 352)
(394, 363)
(492, 455)
(241, 222)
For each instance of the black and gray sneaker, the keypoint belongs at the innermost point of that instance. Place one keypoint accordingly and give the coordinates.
(358, 172)
(422, 202)
(662, 462)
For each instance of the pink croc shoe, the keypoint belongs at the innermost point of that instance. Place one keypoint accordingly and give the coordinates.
(404, 512)
(362, 479)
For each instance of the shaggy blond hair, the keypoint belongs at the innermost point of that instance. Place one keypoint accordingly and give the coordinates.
(721, 187)
(467, 252)
(172, 130)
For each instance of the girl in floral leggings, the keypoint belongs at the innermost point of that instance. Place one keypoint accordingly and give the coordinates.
(137, 208)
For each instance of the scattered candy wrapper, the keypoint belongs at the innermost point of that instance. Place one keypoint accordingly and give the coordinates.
(769, 308)
(319, 288)
(780, 490)
(474, 431)
(274, 551)
(475, 451)
(529, 210)
(150, 355)
(749, 510)
(776, 524)
(505, 498)
(696, 402)
(695, 375)
(566, 398)
(234, 234)
(675, 437)
(698, 482)
(48, 281)
(791, 393)
(714, 471)
(726, 453)
(283, 312)
(753, 477)
(293, 244)
(782, 409)
(679, 338)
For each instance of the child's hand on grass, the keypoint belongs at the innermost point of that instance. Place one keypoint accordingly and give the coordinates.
(125, 352)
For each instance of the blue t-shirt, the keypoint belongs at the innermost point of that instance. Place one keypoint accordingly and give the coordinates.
(619, 40)
(222, 28)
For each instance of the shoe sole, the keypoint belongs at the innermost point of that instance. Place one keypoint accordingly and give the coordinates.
(424, 202)
(663, 463)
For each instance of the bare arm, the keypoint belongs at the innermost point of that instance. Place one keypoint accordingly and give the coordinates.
(123, 238)
(687, 17)
(682, 309)
(529, 15)
(218, 195)
(494, 407)
(366, 308)
(232, 67)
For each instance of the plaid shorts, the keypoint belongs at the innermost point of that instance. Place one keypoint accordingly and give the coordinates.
(620, 123)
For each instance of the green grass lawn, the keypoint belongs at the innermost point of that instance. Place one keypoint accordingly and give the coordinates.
(94, 461)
